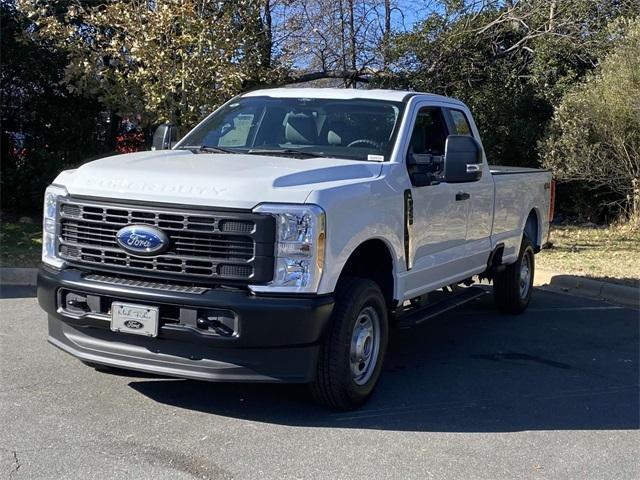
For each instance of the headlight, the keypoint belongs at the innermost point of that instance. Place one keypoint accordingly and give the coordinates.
(49, 223)
(300, 243)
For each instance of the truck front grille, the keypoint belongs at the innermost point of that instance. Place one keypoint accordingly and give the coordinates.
(205, 244)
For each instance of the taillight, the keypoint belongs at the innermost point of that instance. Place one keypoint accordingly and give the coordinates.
(552, 200)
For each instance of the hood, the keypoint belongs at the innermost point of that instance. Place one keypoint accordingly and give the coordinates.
(222, 180)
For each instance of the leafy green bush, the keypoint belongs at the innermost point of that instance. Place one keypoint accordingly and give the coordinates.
(595, 133)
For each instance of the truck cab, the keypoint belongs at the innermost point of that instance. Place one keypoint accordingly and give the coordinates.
(282, 238)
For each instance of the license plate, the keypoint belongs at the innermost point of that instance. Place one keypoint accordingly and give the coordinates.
(136, 319)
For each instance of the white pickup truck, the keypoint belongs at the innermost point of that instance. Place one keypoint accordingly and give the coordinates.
(283, 237)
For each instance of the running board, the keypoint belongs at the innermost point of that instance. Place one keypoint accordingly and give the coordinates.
(454, 300)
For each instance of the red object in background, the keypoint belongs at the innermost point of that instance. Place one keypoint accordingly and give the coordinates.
(130, 142)
(18, 153)
(15, 149)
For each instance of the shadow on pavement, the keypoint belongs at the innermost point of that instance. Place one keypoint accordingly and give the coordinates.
(567, 364)
(14, 291)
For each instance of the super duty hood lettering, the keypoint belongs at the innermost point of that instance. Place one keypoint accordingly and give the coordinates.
(234, 181)
(123, 184)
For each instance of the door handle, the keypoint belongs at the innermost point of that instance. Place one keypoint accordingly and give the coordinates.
(462, 196)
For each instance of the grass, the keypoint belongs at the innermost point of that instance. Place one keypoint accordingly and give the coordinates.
(607, 253)
(20, 243)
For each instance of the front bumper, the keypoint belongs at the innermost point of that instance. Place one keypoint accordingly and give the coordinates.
(277, 339)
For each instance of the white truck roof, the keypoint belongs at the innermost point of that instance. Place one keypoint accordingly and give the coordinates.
(345, 94)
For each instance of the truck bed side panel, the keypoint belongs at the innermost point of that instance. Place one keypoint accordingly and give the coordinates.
(518, 191)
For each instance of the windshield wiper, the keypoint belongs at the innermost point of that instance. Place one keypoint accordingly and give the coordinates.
(206, 149)
(285, 151)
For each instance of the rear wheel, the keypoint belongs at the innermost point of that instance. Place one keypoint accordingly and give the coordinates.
(512, 287)
(353, 350)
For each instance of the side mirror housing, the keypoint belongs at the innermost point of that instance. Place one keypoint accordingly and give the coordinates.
(462, 159)
(165, 137)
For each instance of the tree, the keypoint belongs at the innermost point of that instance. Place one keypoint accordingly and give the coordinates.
(510, 61)
(169, 60)
(44, 127)
(595, 133)
(337, 39)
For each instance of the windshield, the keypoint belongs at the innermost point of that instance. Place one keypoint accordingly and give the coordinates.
(355, 129)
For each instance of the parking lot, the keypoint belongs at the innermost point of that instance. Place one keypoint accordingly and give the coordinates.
(549, 394)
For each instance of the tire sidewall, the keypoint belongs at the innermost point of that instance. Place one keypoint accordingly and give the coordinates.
(526, 249)
(370, 297)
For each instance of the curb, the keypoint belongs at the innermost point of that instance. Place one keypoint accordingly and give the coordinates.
(18, 277)
(622, 294)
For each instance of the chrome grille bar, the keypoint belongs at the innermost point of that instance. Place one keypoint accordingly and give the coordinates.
(203, 244)
(127, 282)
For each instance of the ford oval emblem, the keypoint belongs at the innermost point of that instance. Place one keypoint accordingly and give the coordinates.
(142, 239)
(133, 324)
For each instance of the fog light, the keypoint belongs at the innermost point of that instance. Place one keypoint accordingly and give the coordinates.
(221, 322)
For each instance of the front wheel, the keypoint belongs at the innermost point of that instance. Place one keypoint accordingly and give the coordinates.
(351, 356)
(512, 287)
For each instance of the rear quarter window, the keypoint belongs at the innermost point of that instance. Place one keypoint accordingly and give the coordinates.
(460, 123)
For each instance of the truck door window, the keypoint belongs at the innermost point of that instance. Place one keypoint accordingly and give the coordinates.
(429, 132)
(426, 148)
(460, 123)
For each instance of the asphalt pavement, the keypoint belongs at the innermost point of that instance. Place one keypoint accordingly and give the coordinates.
(552, 393)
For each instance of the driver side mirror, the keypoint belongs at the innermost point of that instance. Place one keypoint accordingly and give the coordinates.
(165, 137)
(462, 159)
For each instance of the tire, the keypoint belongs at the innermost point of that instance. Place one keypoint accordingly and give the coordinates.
(353, 349)
(512, 287)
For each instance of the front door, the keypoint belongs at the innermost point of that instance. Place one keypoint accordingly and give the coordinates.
(437, 254)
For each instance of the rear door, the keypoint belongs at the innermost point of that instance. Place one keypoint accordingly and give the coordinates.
(481, 195)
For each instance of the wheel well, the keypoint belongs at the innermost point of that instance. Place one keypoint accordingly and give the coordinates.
(372, 259)
(531, 228)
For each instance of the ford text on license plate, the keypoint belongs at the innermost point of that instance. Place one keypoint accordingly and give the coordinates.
(136, 319)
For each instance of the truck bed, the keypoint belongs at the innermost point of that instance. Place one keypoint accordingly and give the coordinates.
(506, 170)
(515, 197)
